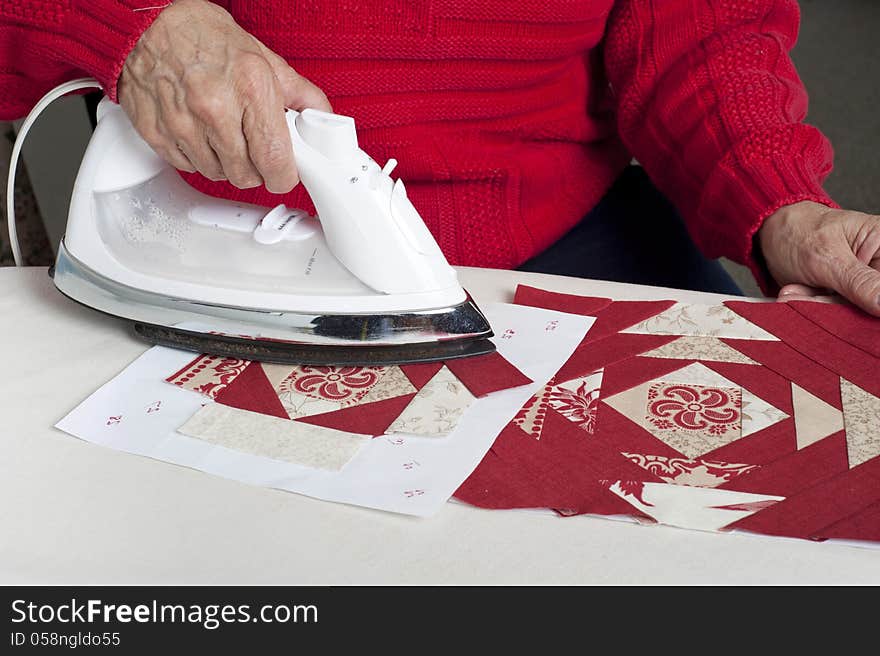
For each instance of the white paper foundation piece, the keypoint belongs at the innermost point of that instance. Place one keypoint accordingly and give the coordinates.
(398, 473)
(271, 437)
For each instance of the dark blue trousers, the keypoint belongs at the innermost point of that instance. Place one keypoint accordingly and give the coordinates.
(634, 235)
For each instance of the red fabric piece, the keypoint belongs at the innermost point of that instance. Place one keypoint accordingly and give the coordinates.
(499, 484)
(814, 342)
(420, 374)
(251, 390)
(804, 515)
(615, 433)
(701, 92)
(563, 471)
(588, 306)
(484, 374)
(797, 471)
(365, 418)
(863, 525)
(621, 376)
(515, 473)
(767, 445)
(846, 322)
(761, 381)
(588, 466)
(793, 366)
(624, 314)
(591, 356)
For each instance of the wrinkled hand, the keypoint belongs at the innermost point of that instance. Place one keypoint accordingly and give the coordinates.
(811, 250)
(209, 97)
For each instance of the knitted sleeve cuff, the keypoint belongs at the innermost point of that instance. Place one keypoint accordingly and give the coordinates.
(760, 175)
(102, 34)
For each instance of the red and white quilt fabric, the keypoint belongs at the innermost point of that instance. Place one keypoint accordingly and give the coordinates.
(762, 417)
(420, 399)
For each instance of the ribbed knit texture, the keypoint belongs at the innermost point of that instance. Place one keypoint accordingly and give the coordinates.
(510, 119)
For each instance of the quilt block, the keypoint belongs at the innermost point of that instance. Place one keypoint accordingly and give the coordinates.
(762, 417)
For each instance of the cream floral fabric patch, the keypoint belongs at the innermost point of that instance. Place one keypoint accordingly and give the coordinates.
(208, 374)
(699, 348)
(700, 320)
(693, 419)
(312, 390)
(436, 409)
(861, 416)
(695, 410)
(757, 414)
(682, 471)
(577, 400)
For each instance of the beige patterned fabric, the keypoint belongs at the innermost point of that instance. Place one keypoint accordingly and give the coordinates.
(578, 399)
(755, 413)
(271, 437)
(436, 409)
(309, 390)
(695, 473)
(699, 348)
(687, 431)
(813, 418)
(861, 417)
(209, 374)
(700, 320)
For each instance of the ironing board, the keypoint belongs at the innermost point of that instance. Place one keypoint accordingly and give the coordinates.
(76, 513)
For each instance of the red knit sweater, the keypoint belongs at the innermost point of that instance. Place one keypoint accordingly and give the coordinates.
(510, 118)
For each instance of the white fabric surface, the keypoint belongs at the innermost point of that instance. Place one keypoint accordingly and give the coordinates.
(72, 512)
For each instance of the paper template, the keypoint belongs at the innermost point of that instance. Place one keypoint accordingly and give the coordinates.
(399, 473)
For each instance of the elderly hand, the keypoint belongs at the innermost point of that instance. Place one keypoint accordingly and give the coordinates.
(812, 249)
(209, 97)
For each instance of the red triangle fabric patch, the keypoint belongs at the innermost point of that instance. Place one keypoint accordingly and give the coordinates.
(864, 525)
(760, 381)
(804, 515)
(847, 322)
(793, 366)
(592, 356)
(251, 390)
(814, 342)
(420, 374)
(795, 472)
(365, 418)
(624, 314)
(764, 446)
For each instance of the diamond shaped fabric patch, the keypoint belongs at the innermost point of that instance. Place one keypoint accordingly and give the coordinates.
(311, 390)
(695, 410)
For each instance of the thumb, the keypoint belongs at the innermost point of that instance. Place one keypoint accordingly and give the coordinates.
(859, 283)
(298, 92)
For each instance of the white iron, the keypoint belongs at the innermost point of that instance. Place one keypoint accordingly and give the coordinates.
(364, 283)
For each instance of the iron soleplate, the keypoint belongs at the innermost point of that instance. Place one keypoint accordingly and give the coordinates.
(309, 354)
